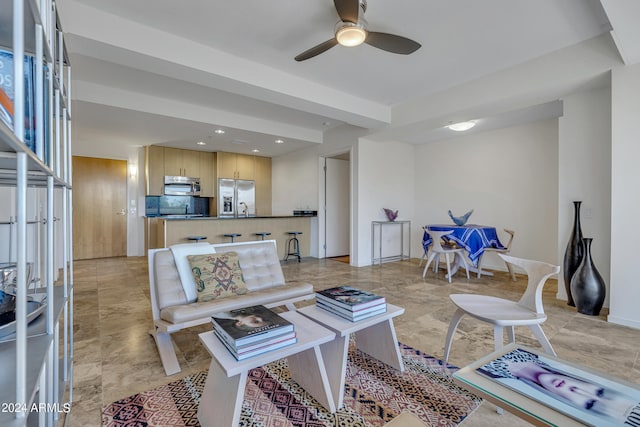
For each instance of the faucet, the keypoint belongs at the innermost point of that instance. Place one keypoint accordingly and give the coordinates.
(245, 209)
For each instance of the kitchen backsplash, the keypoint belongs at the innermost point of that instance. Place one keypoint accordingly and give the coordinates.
(176, 205)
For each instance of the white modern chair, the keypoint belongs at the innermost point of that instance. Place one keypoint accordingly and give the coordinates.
(437, 249)
(502, 313)
(506, 250)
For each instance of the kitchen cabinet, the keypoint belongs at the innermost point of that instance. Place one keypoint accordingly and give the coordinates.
(36, 174)
(179, 162)
(263, 185)
(154, 170)
(161, 161)
(207, 185)
(235, 166)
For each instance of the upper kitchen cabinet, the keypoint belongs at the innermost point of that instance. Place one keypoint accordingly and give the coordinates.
(154, 170)
(179, 162)
(166, 161)
(235, 166)
(263, 185)
(207, 186)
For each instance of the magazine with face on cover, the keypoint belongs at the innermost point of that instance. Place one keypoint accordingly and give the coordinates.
(588, 397)
(250, 324)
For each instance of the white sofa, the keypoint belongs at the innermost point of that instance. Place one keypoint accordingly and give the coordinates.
(173, 311)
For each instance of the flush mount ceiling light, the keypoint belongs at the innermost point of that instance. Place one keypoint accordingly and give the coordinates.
(350, 34)
(462, 126)
(279, 141)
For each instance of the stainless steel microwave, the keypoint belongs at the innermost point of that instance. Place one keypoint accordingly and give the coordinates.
(181, 186)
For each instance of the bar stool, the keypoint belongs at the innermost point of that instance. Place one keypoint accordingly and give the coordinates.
(196, 239)
(293, 241)
(262, 234)
(232, 236)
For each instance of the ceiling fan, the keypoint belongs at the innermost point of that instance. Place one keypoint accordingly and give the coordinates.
(351, 30)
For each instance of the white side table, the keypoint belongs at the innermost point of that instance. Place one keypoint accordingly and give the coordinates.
(375, 336)
(221, 401)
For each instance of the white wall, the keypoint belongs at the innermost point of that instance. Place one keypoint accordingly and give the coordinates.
(585, 175)
(386, 179)
(508, 177)
(625, 202)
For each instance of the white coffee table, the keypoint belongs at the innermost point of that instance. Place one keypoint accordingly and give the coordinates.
(221, 401)
(375, 336)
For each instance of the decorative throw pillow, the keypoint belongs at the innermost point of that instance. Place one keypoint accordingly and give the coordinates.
(217, 275)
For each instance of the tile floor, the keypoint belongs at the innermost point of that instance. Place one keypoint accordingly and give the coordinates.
(115, 357)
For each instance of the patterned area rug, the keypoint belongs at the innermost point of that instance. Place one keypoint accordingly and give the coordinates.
(374, 395)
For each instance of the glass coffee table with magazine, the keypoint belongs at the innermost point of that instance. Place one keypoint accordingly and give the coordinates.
(375, 335)
(546, 390)
(221, 401)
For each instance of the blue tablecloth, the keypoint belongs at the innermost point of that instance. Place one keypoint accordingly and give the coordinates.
(472, 237)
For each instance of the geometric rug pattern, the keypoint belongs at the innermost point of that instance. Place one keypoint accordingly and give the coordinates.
(374, 394)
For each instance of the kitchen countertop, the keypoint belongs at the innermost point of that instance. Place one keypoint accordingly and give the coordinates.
(196, 218)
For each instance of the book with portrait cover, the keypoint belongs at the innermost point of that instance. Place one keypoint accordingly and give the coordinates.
(349, 298)
(591, 398)
(250, 324)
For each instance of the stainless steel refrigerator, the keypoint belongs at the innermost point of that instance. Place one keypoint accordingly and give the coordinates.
(236, 198)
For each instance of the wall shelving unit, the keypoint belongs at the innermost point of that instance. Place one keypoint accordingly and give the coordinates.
(36, 362)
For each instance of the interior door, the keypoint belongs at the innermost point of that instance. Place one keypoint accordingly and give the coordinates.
(337, 214)
(99, 208)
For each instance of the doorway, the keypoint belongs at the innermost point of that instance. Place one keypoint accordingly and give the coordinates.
(99, 208)
(337, 206)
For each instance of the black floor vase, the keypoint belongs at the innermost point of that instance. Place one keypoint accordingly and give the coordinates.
(587, 286)
(573, 253)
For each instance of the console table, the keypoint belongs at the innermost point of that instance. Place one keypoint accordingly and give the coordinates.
(394, 226)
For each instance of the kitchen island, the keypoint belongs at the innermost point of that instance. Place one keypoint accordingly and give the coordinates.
(163, 232)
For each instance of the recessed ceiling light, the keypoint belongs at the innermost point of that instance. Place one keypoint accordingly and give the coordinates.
(462, 126)
(219, 131)
(279, 141)
(255, 150)
(201, 143)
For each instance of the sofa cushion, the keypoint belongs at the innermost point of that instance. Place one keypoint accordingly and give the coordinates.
(217, 275)
(199, 310)
(259, 261)
(180, 253)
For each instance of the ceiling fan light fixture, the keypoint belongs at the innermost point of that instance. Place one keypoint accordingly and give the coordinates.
(461, 126)
(350, 34)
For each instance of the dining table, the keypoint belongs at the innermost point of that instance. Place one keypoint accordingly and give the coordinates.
(473, 238)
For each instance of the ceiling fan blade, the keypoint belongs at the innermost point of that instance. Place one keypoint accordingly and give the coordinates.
(348, 9)
(392, 43)
(317, 50)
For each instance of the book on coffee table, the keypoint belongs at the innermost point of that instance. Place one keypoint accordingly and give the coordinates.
(259, 347)
(349, 298)
(354, 316)
(249, 325)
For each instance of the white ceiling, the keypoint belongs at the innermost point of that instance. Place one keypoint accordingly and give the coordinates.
(167, 72)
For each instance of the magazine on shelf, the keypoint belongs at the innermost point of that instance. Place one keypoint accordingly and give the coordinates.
(588, 397)
(7, 94)
(353, 315)
(349, 298)
(258, 349)
(250, 324)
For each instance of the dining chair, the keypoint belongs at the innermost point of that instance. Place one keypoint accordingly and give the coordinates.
(438, 248)
(503, 313)
(504, 250)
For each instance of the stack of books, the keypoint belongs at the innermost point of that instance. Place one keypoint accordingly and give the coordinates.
(351, 303)
(250, 331)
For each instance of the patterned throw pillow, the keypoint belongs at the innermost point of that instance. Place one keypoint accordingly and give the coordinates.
(217, 275)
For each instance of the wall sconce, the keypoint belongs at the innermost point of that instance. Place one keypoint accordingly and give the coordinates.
(133, 170)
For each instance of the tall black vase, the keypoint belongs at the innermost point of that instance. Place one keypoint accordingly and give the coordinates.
(587, 286)
(573, 253)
